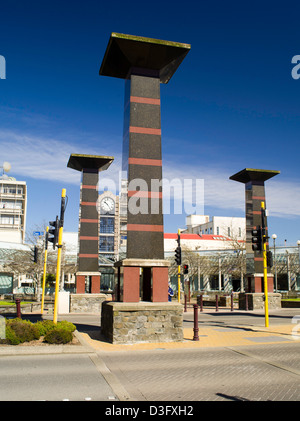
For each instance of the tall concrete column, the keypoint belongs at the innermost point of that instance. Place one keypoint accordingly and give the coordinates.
(254, 180)
(144, 63)
(88, 276)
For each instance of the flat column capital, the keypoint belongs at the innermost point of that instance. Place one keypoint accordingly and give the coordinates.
(251, 174)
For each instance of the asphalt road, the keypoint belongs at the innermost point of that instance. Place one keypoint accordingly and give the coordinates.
(261, 372)
(52, 378)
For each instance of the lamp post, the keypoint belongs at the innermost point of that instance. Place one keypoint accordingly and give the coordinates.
(274, 236)
(298, 244)
(288, 269)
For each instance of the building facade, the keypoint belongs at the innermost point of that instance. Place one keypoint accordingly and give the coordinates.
(13, 204)
(227, 226)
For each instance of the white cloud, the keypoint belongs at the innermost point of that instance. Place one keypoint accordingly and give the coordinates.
(47, 158)
(282, 197)
(43, 158)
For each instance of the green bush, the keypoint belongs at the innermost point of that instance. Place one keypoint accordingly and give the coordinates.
(18, 330)
(10, 336)
(59, 336)
(45, 326)
(66, 325)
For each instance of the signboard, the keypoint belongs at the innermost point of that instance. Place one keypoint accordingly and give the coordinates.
(38, 233)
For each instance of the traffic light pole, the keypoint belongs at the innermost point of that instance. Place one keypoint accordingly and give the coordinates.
(265, 264)
(179, 269)
(44, 274)
(60, 234)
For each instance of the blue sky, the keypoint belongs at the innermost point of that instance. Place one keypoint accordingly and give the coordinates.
(232, 103)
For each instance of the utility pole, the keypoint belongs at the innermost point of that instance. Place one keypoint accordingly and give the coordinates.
(59, 246)
(45, 268)
(264, 241)
(178, 262)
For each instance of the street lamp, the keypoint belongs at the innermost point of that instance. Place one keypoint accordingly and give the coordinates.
(274, 236)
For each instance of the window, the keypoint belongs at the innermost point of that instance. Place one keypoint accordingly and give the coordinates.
(228, 231)
(218, 230)
(107, 225)
(106, 243)
(240, 231)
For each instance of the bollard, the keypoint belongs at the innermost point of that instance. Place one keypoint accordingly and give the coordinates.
(231, 301)
(196, 329)
(217, 304)
(201, 302)
(246, 297)
(185, 304)
(18, 305)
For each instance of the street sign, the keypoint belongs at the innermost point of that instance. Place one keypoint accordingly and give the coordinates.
(38, 233)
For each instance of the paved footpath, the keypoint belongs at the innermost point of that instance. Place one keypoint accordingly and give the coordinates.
(236, 359)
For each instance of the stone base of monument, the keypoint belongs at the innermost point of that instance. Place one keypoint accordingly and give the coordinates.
(130, 323)
(256, 301)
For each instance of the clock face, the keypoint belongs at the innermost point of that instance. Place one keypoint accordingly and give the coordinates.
(107, 204)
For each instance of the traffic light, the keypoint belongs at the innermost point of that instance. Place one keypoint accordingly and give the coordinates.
(257, 240)
(269, 259)
(35, 254)
(54, 231)
(178, 256)
(186, 269)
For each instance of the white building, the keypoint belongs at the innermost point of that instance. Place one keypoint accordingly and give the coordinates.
(227, 226)
(196, 242)
(13, 204)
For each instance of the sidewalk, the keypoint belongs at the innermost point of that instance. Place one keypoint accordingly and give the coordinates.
(209, 335)
(214, 336)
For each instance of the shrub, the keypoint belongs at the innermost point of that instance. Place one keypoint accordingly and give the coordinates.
(45, 326)
(66, 325)
(10, 336)
(20, 330)
(59, 336)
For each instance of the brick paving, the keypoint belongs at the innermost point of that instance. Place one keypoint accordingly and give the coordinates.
(230, 362)
(220, 374)
(236, 359)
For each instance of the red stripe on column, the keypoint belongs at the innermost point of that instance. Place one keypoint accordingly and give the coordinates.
(144, 161)
(85, 186)
(143, 100)
(256, 212)
(144, 227)
(88, 203)
(86, 237)
(144, 130)
(258, 197)
(94, 221)
(139, 193)
(88, 255)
